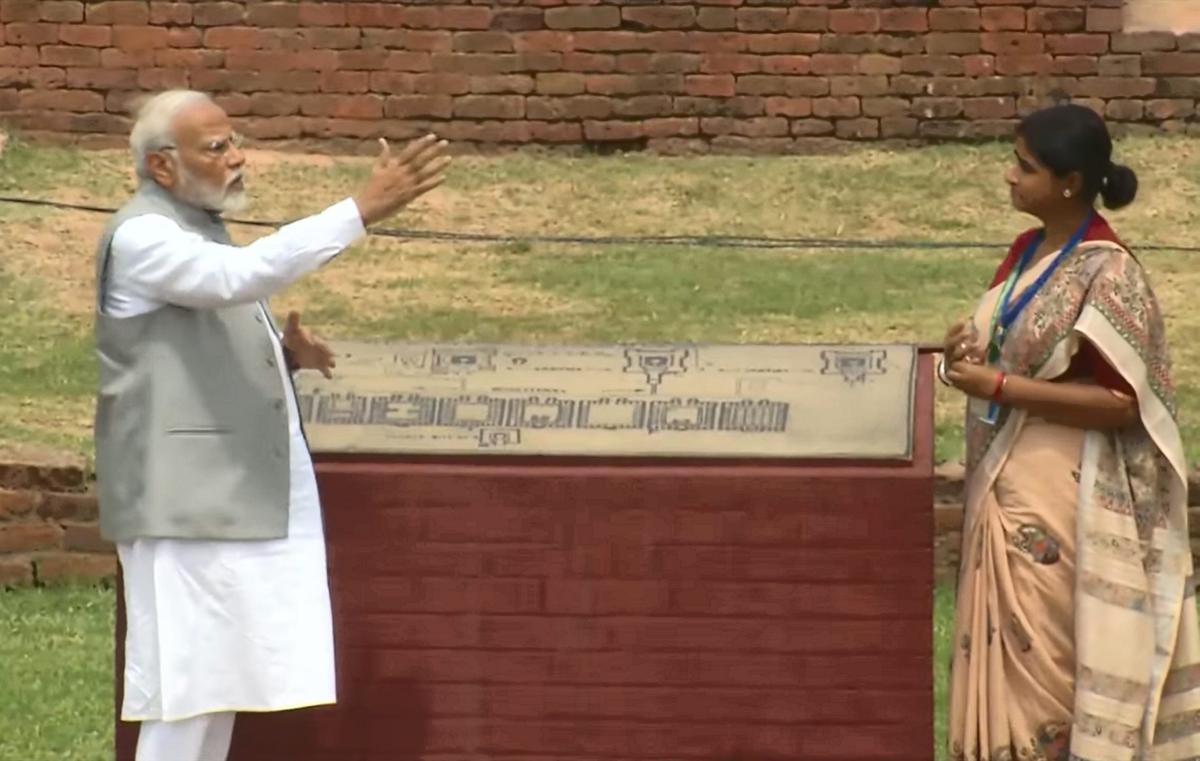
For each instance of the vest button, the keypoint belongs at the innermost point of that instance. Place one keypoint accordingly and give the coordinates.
(270, 361)
(258, 317)
(278, 404)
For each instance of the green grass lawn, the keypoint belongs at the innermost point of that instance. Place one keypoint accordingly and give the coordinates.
(426, 290)
(55, 655)
(56, 662)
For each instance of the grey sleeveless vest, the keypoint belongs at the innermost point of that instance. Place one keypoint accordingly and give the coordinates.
(191, 420)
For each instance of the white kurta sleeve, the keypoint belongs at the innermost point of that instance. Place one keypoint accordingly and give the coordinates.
(154, 259)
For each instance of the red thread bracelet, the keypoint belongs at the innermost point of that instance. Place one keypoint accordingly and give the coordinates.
(999, 386)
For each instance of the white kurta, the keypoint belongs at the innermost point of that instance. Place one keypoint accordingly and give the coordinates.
(228, 625)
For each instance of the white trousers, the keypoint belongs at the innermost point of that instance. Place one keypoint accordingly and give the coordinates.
(201, 738)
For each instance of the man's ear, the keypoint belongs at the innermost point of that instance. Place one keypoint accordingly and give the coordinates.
(162, 169)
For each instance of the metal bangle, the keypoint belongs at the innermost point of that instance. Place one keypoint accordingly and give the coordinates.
(940, 369)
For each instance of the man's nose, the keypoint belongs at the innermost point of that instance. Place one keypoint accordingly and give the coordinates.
(235, 158)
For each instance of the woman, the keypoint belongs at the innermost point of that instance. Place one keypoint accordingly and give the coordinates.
(1075, 634)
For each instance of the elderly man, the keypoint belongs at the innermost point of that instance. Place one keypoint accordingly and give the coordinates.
(204, 474)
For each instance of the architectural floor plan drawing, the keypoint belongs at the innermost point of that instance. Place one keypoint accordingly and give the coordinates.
(682, 400)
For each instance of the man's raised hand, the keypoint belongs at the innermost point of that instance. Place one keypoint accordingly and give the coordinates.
(397, 181)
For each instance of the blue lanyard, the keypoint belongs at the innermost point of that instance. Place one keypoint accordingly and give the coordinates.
(1010, 312)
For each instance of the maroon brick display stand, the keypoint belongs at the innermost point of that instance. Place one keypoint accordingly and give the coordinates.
(567, 610)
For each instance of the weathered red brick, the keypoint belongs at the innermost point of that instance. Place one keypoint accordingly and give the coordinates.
(483, 42)
(864, 86)
(520, 84)
(489, 107)
(162, 79)
(187, 59)
(1104, 20)
(793, 108)
(929, 64)
(85, 537)
(837, 108)
(583, 17)
(137, 38)
(710, 85)
(19, 10)
(717, 18)
(952, 43)
(1114, 87)
(72, 507)
(273, 14)
(418, 106)
(577, 107)
(322, 14)
(808, 19)
(787, 64)
(1056, 19)
(74, 566)
(1142, 42)
(898, 127)
(834, 63)
(762, 19)
(954, 19)
(518, 19)
(243, 37)
(218, 13)
(106, 78)
(858, 129)
(1171, 64)
(59, 55)
(1120, 66)
(170, 13)
(24, 33)
(61, 11)
(788, 43)
(1013, 43)
(1125, 110)
(31, 535)
(119, 12)
(16, 572)
(1003, 19)
(1170, 108)
(18, 504)
(854, 21)
(1077, 44)
(1024, 65)
(1074, 66)
(440, 83)
(659, 16)
(86, 35)
(989, 108)
(560, 84)
(914, 20)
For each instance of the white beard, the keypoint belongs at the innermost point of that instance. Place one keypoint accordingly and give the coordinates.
(218, 200)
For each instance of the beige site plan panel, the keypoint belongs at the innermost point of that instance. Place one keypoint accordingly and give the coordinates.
(745, 401)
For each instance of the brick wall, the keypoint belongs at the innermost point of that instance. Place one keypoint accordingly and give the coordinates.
(532, 609)
(674, 76)
(48, 530)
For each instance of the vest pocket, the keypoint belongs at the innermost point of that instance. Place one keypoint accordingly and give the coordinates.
(198, 430)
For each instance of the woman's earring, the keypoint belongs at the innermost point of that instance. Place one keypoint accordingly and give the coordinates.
(1067, 193)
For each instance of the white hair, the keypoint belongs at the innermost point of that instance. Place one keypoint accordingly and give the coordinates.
(153, 129)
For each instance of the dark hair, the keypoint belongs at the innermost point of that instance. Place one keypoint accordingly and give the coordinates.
(1071, 138)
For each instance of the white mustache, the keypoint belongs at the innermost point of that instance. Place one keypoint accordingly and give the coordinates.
(233, 180)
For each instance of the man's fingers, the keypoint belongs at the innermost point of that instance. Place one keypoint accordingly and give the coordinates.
(434, 168)
(414, 147)
(293, 322)
(385, 153)
(427, 155)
